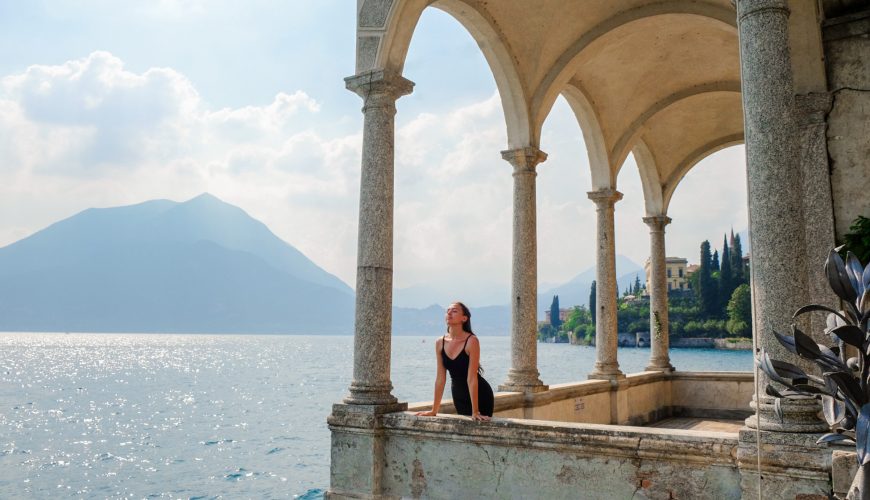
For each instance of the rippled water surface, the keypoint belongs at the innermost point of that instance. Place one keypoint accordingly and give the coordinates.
(190, 416)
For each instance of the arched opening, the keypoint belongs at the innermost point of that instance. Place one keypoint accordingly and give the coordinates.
(452, 204)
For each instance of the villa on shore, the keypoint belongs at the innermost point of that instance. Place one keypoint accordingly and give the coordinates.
(669, 82)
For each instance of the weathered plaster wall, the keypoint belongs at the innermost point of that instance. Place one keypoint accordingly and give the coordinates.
(717, 392)
(456, 458)
(847, 45)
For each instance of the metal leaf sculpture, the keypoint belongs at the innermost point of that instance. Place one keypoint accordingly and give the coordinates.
(844, 387)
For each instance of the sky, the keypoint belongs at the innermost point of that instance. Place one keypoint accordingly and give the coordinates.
(106, 103)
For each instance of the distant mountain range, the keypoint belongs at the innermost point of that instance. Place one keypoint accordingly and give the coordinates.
(207, 266)
(162, 266)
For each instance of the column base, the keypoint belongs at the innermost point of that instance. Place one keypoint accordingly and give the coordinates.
(523, 381)
(609, 371)
(799, 416)
(365, 394)
(792, 465)
(666, 368)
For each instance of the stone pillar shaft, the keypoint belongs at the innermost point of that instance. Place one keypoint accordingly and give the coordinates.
(778, 261)
(606, 334)
(659, 359)
(374, 283)
(818, 206)
(523, 375)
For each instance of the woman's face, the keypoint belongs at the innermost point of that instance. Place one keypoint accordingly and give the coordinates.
(454, 315)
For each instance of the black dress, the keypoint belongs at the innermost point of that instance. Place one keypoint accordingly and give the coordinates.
(458, 369)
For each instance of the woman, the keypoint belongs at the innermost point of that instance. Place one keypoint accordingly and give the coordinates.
(458, 352)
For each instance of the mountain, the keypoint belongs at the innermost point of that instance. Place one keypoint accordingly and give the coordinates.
(485, 320)
(576, 290)
(163, 266)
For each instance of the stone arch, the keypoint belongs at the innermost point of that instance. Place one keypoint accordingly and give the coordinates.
(396, 40)
(622, 146)
(561, 72)
(670, 184)
(653, 196)
(596, 146)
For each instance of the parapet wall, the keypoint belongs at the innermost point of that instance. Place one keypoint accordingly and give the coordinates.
(558, 444)
(636, 399)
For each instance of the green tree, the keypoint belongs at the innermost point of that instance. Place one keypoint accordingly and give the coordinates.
(555, 320)
(706, 290)
(636, 285)
(714, 264)
(726, 276)
(740, 312)
(592, 301)
(737, 260)
(858, 239)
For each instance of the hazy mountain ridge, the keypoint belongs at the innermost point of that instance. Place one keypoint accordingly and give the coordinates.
(207, 266)
(161, 266)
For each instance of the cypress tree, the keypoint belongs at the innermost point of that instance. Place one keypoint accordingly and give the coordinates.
(636, 285)
(714, 265)
(593, 304)
(737, 270)
(555, 320)
(706, 291)
(726, 276)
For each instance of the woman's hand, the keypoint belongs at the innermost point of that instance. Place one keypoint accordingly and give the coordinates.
(428, 413)
(480, 418)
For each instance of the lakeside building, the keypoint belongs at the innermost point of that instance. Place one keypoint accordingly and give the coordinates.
(669, 82)
(676, 272)
(563, 315)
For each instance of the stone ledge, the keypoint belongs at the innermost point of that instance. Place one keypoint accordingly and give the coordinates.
(714, 376)
(696, 447)
(361, 416)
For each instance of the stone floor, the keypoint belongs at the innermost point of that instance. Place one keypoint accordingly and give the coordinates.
(700, 424)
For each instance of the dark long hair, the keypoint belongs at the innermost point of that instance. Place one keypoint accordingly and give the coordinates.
(466, 327)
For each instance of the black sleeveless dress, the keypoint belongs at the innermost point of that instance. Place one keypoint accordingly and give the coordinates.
(458, 369)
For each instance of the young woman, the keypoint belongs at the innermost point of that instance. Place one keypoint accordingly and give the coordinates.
(458, 352)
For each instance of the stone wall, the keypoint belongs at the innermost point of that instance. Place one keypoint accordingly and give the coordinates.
(637, 399)
(847, 43)
(456, 458)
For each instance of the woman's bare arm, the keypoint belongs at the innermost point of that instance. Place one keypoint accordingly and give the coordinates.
(473, 350)
(440, 382)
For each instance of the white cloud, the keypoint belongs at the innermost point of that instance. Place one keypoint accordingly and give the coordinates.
(91, 133)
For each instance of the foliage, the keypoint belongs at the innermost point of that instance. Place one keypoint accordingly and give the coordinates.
(593, 301)
(555, 320)
(706, 290)
(740, 312)
(858, 239)
(844, 387)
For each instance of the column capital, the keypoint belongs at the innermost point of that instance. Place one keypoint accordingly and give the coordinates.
(811, 108)
(747, 8)
(381, 83)
(524, 160)
(657, 222)
(604, 197)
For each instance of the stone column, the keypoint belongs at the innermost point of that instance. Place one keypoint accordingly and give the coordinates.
(818, 204)
(523, 375)
(659, 359)
(606, 335)
(374, 280)
(776, 223)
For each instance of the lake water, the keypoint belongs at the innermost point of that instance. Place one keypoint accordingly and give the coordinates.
(204, 416)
